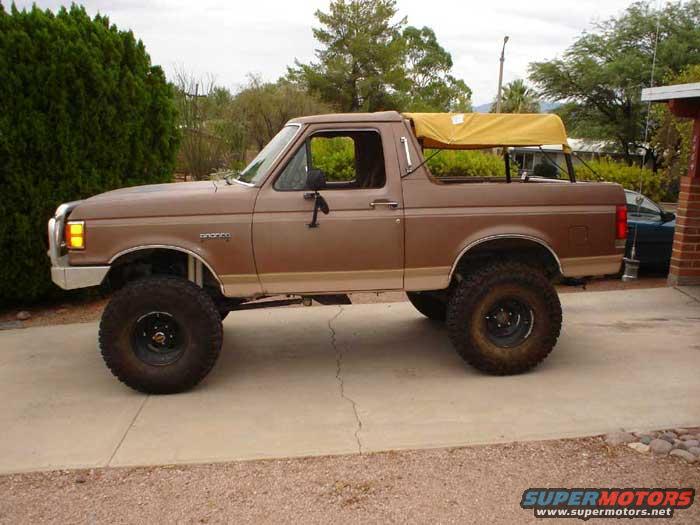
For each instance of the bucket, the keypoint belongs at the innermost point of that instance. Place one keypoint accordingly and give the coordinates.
(631, 269)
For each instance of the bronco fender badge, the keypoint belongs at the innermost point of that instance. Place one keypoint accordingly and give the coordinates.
(222, 236)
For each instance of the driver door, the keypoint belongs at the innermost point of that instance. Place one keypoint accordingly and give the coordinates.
(359, 244)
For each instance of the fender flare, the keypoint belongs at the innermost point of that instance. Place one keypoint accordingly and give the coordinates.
(169, 247)
(503, 236)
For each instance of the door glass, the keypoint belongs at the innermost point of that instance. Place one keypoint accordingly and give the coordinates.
(349, 160)
(335, 156)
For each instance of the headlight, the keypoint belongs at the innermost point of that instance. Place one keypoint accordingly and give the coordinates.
(75, 235)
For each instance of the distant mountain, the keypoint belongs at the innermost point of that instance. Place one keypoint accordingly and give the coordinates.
(545, 107)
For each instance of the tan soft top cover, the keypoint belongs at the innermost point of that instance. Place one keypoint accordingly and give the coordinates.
(488, 130)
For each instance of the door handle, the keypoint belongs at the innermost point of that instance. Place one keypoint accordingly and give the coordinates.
(390, 204)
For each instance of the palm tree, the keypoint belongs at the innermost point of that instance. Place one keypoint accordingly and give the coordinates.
(518, 98)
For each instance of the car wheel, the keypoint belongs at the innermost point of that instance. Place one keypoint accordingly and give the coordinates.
(429, 305)
(504, 318)
(160, 335)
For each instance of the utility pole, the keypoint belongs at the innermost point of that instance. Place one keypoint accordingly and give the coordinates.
(500, 75)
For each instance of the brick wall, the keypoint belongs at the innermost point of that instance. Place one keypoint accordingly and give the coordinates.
(685, 259)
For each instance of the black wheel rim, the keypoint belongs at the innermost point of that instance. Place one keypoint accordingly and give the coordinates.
(509, 322)
(158, 339)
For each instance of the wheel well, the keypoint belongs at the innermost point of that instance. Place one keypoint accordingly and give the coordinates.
(526, 250)
(155, 261)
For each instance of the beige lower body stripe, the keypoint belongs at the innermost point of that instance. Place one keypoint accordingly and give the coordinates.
(308, 282)
(428, 278)
(412, 279)
(241, 285)
(585, 266)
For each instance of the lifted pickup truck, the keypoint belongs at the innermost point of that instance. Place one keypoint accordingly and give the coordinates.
(337, 204)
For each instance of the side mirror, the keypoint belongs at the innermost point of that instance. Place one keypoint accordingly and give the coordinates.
(316, 180)
(667, 216)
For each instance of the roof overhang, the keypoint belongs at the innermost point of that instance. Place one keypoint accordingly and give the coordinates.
(666, 93)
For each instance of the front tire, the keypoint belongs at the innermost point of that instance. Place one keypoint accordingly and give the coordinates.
(160, 335)
(504, 318)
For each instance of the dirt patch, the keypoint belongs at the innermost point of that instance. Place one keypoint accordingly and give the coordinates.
(67, 311)
(481, 484)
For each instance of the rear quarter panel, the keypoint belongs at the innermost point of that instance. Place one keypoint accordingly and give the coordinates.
(576, 221)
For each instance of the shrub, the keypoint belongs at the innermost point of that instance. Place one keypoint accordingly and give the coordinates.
(464, 163)
(82, 110)
(656, 186)
(335, 157)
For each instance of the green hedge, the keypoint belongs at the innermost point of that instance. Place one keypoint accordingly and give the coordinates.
(335, 156)
(82, 110)
(656, 186)
(462, 163)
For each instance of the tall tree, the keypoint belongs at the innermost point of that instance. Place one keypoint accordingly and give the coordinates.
(428, 66)
(517, 97)
(360, 62)
(368, 62)
(673, 137)
(601, 75)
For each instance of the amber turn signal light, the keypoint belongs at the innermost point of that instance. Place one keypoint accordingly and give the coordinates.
(75, 235)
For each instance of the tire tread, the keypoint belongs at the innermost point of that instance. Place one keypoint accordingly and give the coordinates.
(121, 302)
(464, 299)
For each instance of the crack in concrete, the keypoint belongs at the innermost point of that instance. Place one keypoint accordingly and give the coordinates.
(687, 294)
(126, 432)
(339, 378)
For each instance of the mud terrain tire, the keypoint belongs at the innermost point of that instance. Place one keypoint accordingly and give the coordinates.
(504, 318)
(160, 335)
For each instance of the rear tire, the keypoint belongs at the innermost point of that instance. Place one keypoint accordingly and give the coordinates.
(160, 335)
(505, 318)
(429, 305)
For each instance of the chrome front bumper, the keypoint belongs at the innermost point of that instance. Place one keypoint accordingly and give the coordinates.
(62, 273)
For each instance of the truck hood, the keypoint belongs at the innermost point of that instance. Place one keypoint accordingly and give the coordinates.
(173, 187)
(168, 200)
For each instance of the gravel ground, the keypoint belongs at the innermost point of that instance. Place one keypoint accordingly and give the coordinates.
(481, 484)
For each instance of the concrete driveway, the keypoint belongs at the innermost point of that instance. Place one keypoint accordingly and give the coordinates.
(336, 380)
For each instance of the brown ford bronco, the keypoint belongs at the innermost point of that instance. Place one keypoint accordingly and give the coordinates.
(336, 204)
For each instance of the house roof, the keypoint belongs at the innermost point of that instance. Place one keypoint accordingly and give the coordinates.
(666, 93)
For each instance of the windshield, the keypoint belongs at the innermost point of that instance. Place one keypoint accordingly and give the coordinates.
(258, 168)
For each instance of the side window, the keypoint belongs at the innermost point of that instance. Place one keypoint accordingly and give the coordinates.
(335, 156)
(293, 177)
(349, 159)
(645, 208)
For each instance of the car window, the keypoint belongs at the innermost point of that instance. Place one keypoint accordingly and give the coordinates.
(293, 176)
(349, 160)
(646, 207)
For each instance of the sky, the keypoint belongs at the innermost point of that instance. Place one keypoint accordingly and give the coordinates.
(230, 39)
